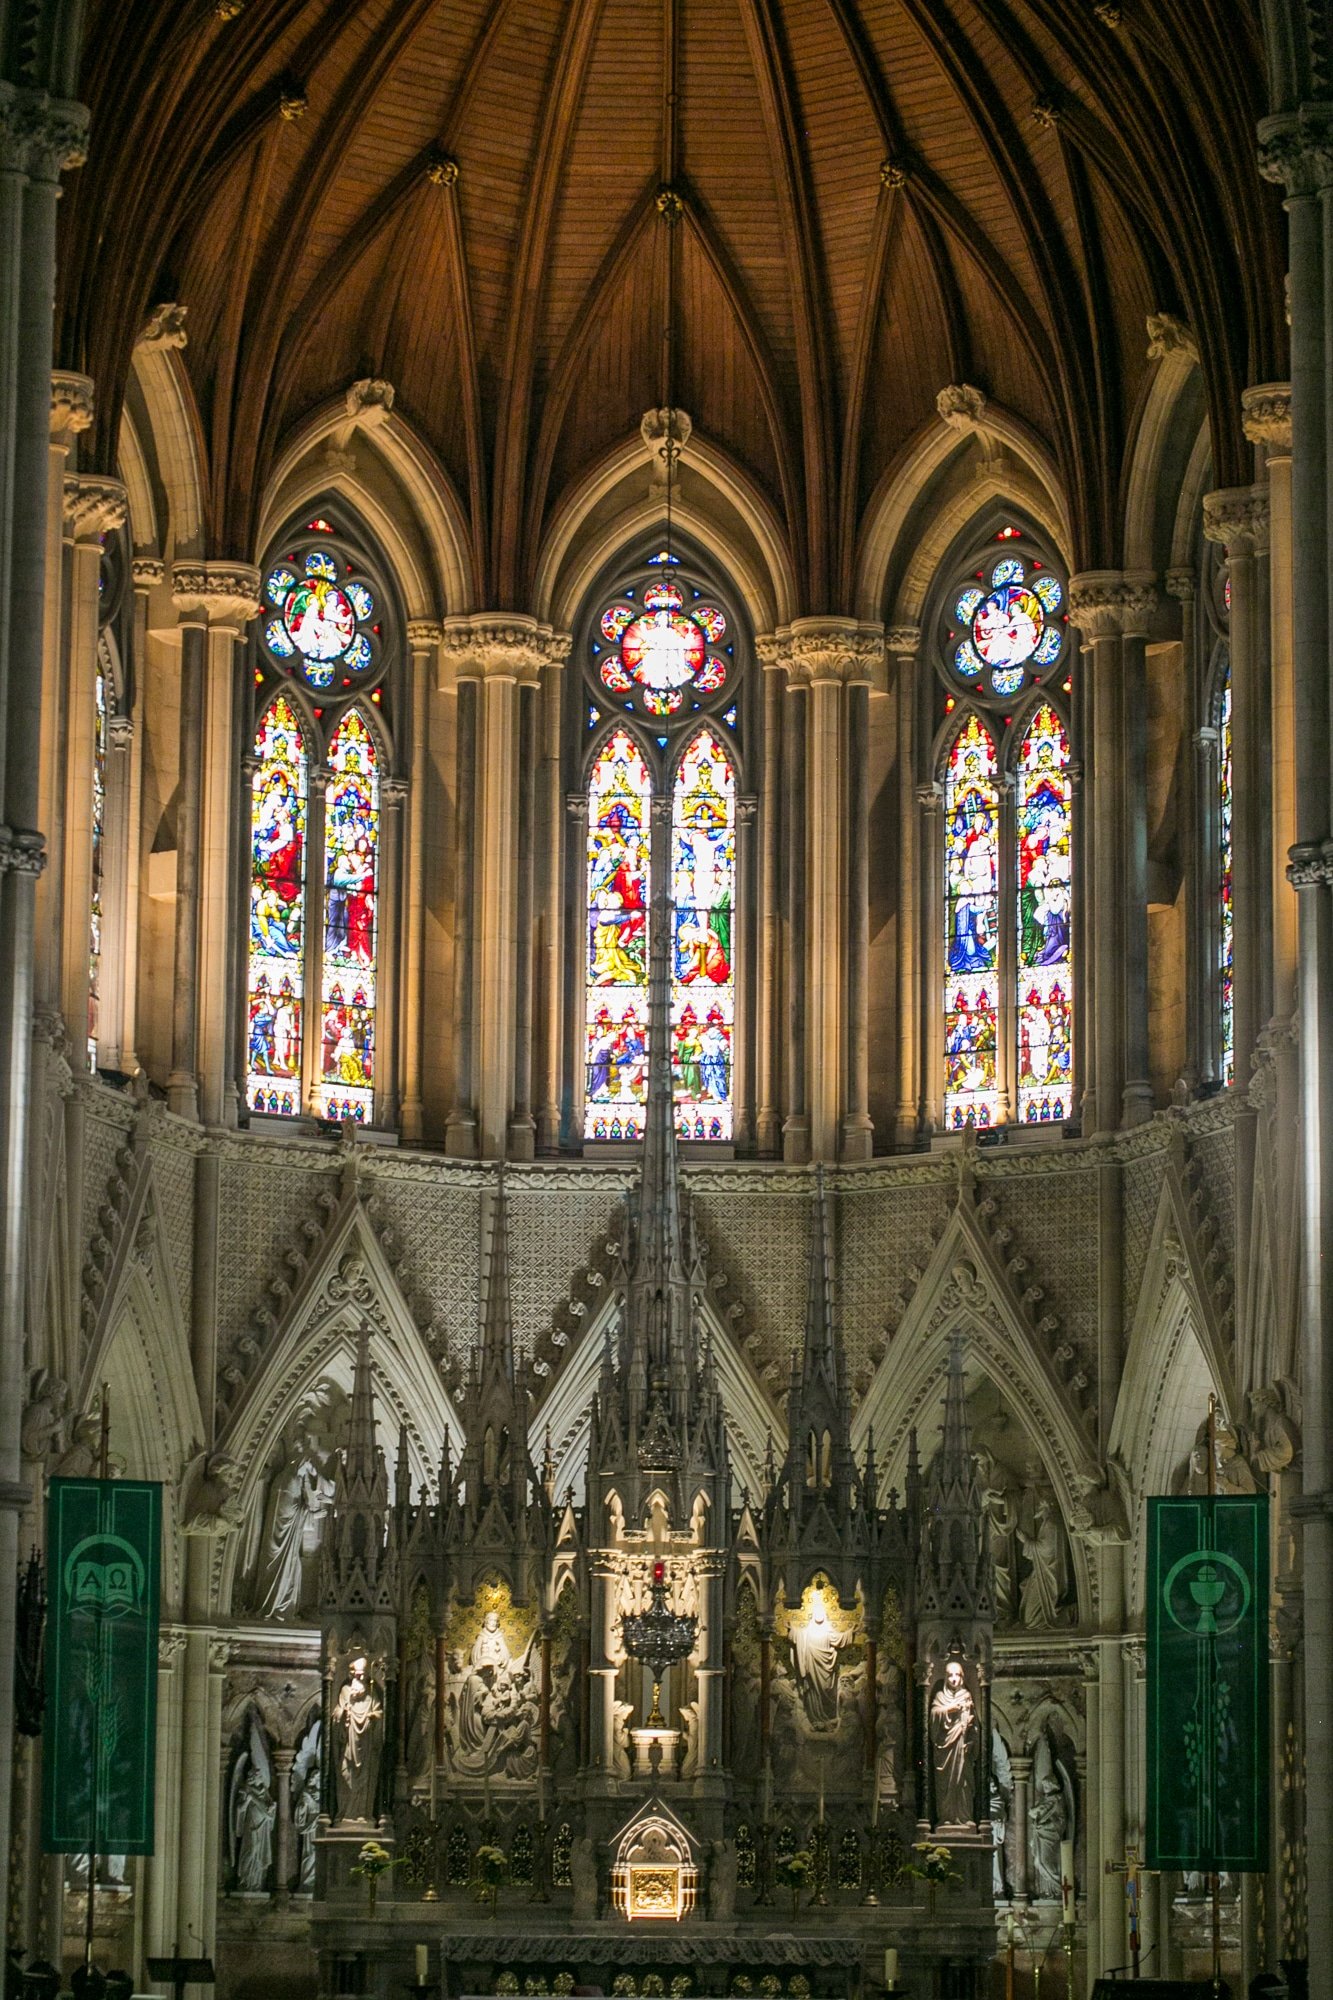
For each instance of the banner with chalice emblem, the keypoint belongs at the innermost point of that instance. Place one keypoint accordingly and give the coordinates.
(104, 1539)
(1208, 1772)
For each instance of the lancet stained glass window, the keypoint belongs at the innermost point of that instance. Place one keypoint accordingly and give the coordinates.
(276, 985)
(1225, 937)
(1043, 959)
(99, 856)
(616, 984)
(351, 857)
(703, 995)
(972, 931)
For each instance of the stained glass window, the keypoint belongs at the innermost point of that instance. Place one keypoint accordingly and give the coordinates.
(972, 931)
(703, 994)
(1004, 622)
(323, 621)
(658, 649)
(276, 984)
(1225, 939)
(1043, 959)
(99, 840)
(351, 867)
(616, 984)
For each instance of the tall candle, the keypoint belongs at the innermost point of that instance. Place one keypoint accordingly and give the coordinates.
(423, 1963)
(891, 1966)
(874, 1805)
(1067, 1881)
(821, 1792)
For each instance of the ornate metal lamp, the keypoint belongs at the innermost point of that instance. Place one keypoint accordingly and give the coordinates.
(658, 1638)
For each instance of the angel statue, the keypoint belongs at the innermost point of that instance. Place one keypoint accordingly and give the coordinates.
(252, 1813)
(305, 1807)
(1050, 1818)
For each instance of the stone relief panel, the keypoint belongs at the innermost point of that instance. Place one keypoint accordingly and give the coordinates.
(252, 1812)
(293, 1503)
(819, 1689)
(492, 1687)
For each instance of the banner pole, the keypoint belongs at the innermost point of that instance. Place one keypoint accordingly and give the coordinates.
(1214, 1879)
(103, 1462)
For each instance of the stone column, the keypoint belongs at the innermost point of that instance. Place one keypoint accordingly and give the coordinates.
(123, 844)
(461, 1129)
(550, 982)
(161, 1885)
(93, 508)
(1107, 606)
(1267, 419)
(1138, 603)
(794, 1004)
(771, 655)
(857, 1135)
(39, 137)
(1296, 150)
(502, 651)
(902, 644)
(522, 1124)
(829, 656)
(71, 415)
(744, 940)
(285, 1846)
(214, 602)
(423, 638)
(1020, 1770)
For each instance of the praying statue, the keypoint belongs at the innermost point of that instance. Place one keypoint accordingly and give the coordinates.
(1042, 1591)
(815, 1645)
(305, 1809)
(253, 1815)
(1050, 1818)
(358, 1715)
(953, 1741)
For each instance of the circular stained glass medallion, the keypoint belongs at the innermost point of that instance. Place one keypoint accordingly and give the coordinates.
(321, 617)
(662, 649)
(1007, 626)
(663, 645)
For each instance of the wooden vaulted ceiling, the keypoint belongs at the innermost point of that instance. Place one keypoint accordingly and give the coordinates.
(880, 197)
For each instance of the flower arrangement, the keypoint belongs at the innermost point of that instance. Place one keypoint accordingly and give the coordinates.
(563, 1984)
(770, 1985)
(799, 1987)
(507, 1983)
(680, 1986)
(742, 1984)
(936, 1863)
(535, 1987)
(623, 1986)
(652, 1986)
(372, 1861)
(793, 1871)
(490, 1865)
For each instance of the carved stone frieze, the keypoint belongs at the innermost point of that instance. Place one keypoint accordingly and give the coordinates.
(499, 645)
(1266, 415)
(72, 403)
(834, 649)
(94, 506)
(1107, 603)
(1237, 517)
(225, 594)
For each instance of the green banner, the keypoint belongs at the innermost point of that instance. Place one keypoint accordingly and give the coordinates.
(103, 1543)
(1208, 1772)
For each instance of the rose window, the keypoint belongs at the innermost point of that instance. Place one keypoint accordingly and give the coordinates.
(1006, 627)
(322, 619)
(658, 655)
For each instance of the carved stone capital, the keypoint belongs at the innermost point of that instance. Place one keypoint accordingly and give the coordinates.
(41, 136)
(224, 594)
(21, 852)
(961, 407)
(1107, 603)
(498, 645)
(835, 649)
(1168, 335)
(72, 407)
(1266, 415)
(1296, 149)
(1181, 584)
(393, 791)
(94, 506)
(1237, 517)
(665, 433)
(1310, 864)
(930, 797)
(771, 650)
(147, 571)
(902, 641)
(424, 634)
(164, 328)
(120, 732)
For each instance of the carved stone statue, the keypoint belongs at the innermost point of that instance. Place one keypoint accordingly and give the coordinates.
(42, 1426)
(253, 1814)
(583, 1879)
(298, 1503)
(1001, 1521)
(1043, 1588)
(305, 1808)
(721, 1882)
(954, 1741)
(492, 1708)
(1050, 1819)
(815, 1645)
(358, 1727)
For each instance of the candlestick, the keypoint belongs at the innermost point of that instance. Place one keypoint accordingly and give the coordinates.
(1067, 1881)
